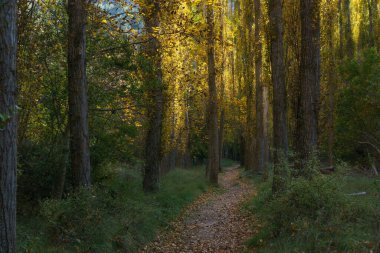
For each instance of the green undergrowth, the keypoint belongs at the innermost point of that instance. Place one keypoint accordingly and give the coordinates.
(115, 216)
(318, 214)
(226, 163)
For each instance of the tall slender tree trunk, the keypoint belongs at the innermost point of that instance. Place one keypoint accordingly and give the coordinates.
(292, 63)
(331, 80)
(154, 82)
(59, 185)
(222, 87)
(309, 80)
(280, 130)
(341, 30)
(187, 154)
(8, 126)
(78, 100)
(221, 138)
(240, 71)
(173, 142)
(262, 152)
(248, 59)
(372, 9)
(349, 41)
(213, 143)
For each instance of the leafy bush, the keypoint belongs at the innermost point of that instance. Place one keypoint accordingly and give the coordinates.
(38, 170)
(115, 216)
(358, 117)
(317, 215)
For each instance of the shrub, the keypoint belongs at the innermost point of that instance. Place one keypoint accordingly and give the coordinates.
(115, 216)
(315, 215)
(358, 105)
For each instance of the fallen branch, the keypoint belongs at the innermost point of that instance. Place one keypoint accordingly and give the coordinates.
(372, 145)
(357, 194)
(327, 170)
(374, 169)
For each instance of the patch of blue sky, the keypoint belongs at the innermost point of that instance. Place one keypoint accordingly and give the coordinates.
(126, 13)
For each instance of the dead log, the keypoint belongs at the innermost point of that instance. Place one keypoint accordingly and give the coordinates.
(327, 170)
(357, 194)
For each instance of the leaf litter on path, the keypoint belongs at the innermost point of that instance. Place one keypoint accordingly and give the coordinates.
(214, 223)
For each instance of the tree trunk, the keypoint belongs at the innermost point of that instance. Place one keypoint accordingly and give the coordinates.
(349, 45)
(242, 148)
(341, 31)
(221, 138)
(262, 152)
(372, 8)
(78, 100)
(222, 88)
(280, 131)
(8, 126)
(213, 147)
(331, 88)
(153, 79)
(309, 81)
(63, 161)
(248, 78)
(187, 153)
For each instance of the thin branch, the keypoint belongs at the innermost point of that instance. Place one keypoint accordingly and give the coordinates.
(371, 144)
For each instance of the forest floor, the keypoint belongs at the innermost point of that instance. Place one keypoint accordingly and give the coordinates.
(215, 222)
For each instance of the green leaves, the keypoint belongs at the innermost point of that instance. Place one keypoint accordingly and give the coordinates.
(358, 104)
(4, 119)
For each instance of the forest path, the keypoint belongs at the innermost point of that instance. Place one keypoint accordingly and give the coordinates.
(215, 222)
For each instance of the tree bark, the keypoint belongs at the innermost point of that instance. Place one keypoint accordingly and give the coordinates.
(349, 41)
(213, 143)
(341, 31)
(222, 87)
(309, 81)
(280, 130)
(331, 80)
(248, 59)
(187, 153)
(62, 164)
(8, 125)
(153, 79)
(262, 152)
(372, 9)
(78, 97)
(221, 138)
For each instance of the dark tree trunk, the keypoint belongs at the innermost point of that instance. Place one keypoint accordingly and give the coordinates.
(78, 98)
(8, 126)
(153, 79)
(262, 152)
(341, 31)
(309, 81)
(372, 9)
(349, 43)
(248, 78)
(331, 80)
(221, 138)
(241, 149)
(213, 143)
(292, 51)
(222, 88)
(62, 164)
(187, 153)
(280, 131)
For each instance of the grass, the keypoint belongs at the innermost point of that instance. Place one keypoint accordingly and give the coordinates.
(115, 216)
(319, 215)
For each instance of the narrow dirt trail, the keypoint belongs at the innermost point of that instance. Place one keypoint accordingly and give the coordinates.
(213, 223)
